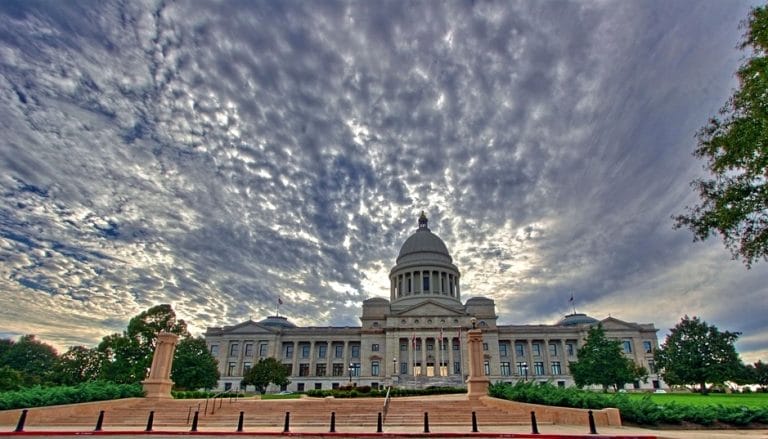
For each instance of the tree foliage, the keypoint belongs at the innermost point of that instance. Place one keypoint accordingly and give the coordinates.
(79, 365)
(32, 358)
(193, 365)
(734, 201)
(698, 353)
(266, 371)
(601, 361)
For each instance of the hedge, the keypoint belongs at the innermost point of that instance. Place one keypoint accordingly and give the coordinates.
(44, 396)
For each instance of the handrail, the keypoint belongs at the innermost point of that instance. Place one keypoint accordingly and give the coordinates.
(213, 406)
(386, 403)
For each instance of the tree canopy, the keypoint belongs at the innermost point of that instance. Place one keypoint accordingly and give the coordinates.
(266, 371)
(193, 365)
(734, 200)
(32, 358)
(601, 361)
(695, 352)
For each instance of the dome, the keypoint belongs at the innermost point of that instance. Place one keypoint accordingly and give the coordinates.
(577, 319)
(277, 322)
(424, 244)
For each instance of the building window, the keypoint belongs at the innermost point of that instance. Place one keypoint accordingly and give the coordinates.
(215, 350)
(246, 368)
(320, 370)
(338, 351)
(553, 349)
(503, 349)
(520, 369)
(305, 351)
(418, 344)
(321, 351)
(334, 386)
(374, 368)
(248, 350)
(338, 369)
(231, 369)
(355, 351)
(487, 368)
(300, 387)
(355, 369)
(403, 368)
(556, 368)
(234, 349)
(569, 347)
(519, 349)
(303, 369)
(651, 366)
(426, 283)
(455, 345)
(456, 367)
(505, 369)
(536, 348)
(262, 349)
(430, 346)
(538, 368)
(647, 346)
(227, 386)
(485, 346)
(288, 348)
(318, 386)
(374, 348)
(627, 345)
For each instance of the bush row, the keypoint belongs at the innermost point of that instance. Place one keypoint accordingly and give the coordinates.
(365, 391)
(638, 411)
(86, 392)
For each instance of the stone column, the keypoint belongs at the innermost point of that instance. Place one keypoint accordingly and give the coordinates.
(424, 356)
(159, 384)
(477, 383)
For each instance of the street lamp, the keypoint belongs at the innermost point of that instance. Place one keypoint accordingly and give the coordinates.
(394, 366)
(525, 370)
(351, 365)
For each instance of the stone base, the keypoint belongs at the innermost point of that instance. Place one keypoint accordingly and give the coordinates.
(477, 387)
(157, 388)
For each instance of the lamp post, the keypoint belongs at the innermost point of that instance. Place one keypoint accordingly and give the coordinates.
(394, 366)
(525, 370)
(350, 372)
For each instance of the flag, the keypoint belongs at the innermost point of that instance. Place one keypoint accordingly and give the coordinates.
(571, 300)
(441, 334)
(413, 341)
(279, 301)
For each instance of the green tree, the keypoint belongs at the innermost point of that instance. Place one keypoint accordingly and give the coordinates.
(193, 365)
(266, 371)
(734, 201)
(697, 353)
(78, 365)
(129, 355)
(601, 361)
(10, 379)
(32, 358)
(760, 374)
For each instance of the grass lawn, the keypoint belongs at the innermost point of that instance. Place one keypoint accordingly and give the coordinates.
(753, 400)
(279, 396)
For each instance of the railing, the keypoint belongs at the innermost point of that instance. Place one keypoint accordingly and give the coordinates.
(386, 403)
(221, 395)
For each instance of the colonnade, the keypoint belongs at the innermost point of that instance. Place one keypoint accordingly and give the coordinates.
(424, 282)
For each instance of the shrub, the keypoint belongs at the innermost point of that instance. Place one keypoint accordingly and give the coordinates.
(44, 396)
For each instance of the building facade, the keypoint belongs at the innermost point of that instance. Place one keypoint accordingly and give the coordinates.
(418, 337)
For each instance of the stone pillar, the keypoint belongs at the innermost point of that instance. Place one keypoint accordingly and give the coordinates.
(477, 383)
(159, 384)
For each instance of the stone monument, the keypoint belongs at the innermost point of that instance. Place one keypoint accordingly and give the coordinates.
(477, 383)
(158, 384)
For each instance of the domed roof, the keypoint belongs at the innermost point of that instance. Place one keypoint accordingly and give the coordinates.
(424, 242)
(277, 322)
(577, 319)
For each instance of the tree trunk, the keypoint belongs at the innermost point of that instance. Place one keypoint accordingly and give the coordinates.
(703, 388)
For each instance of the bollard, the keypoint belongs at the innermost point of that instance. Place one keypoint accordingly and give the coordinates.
(150, 420)
(333, 422)
(592, 428)
(100, 421)
(534, 427)
(194, 422)
(426, 422)
(240, 422)
(379, 425)
(286, 427)
(22, 421)
(474, 423)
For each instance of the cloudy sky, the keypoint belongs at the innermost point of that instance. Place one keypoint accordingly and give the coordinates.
(219, 155)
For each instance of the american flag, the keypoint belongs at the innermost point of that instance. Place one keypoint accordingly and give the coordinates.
(279, 301)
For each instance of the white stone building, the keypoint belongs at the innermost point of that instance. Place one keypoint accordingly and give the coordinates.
(418, 337)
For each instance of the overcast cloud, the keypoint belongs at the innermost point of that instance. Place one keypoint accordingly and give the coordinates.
(219, 155)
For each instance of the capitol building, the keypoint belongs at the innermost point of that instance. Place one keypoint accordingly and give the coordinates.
(418, 337)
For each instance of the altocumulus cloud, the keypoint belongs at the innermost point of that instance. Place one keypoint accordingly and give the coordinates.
(218, 156)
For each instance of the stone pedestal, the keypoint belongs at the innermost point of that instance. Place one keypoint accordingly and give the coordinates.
(159, 384)
(477, 383)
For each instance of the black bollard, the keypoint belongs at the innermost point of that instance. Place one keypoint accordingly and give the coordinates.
(150, 420)
(474, 423)
(592, 428)
(194, 422)
(100, 421)
(286, 427)
(534, 427)
(240, 422)
(22, 421)
(379, 425)
(426, 422)
(333, 422)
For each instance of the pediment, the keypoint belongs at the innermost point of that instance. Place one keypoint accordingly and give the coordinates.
(612, 323)
(430, 309)
(249, 327)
